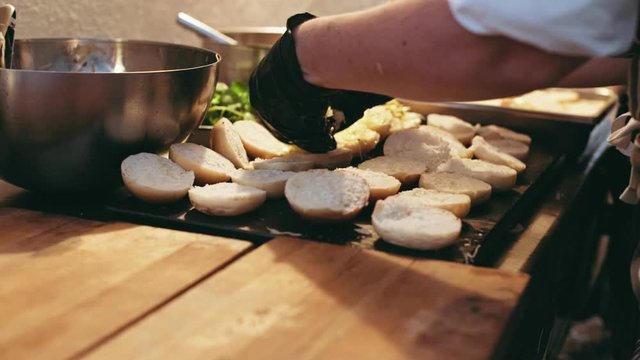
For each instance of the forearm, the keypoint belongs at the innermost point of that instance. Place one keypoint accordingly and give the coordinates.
(598, 72)
(416, 49)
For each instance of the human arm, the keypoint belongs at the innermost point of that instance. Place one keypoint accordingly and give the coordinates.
(421, 49)
(416, 49)
(598, 72)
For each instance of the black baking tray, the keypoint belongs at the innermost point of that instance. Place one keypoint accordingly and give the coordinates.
(482, 234)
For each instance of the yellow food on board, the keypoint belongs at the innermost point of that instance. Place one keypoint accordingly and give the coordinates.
(359, 139)
(378, 119)
(403, 118)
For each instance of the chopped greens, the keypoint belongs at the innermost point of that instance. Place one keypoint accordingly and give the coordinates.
(231, 102)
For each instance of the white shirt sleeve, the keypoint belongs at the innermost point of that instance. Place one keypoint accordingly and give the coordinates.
(568, 27)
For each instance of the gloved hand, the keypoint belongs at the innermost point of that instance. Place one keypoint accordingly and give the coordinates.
(294, 110)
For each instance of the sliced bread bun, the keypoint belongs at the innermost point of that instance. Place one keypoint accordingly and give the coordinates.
(405, 140)
(360, 140)
(408, 222)
(380, 184)
(283, 163)
(330, 160)
(479, 191)
(258, 141)
(410, 139)
(271, 181)
(458, 204)
(155, 179)
(499, 132)
(457, 148)
(407, 171)
(226, 199)
(461, 129)
(209, 166)
(327, 196)
(500, 177)
(430, 155)
(225, 140)
(514, 148)
(487, 152)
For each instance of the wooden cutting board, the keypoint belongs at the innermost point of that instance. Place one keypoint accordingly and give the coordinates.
(66, 284)
(297, 299)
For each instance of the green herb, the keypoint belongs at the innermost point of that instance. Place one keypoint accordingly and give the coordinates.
(229, 101)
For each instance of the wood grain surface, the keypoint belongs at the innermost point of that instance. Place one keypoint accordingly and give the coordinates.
(67, 284)
(297, 299)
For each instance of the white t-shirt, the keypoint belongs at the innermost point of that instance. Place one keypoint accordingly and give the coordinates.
(569, 27)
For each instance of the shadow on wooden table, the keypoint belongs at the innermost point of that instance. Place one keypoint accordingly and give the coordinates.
(32, 222)
(298, 299)
(89, 205)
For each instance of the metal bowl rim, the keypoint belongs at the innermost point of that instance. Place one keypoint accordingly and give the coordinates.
(248, 30)
(118, 40)
(271, 30)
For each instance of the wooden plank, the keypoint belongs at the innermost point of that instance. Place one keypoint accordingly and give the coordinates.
(296, 299)
(65, 290)
(18, 224)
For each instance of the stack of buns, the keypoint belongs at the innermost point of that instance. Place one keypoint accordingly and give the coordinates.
(443, 168)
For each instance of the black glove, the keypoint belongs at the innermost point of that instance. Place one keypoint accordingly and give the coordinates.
(295, 110)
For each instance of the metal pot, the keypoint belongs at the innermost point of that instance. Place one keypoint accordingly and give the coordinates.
(238, 61)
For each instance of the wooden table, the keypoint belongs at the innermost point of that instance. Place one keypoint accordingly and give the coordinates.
(77, 288)
(73, 287)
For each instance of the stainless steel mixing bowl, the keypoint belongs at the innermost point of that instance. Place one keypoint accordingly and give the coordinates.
(72, 109)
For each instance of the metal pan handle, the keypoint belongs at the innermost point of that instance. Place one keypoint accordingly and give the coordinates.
(204, 29)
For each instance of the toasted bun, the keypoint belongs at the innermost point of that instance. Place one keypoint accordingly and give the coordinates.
(282, 163)
(154, 179)
(225, 140)
(258, 141)
(500, 177)
(479, 191)
(514, 148)
(408, 120)
(487, 152)
(407, 171)
(226, 199)
(271, 181)
(458, 204)
(209, 166)
(329, 160)
(403, 119)
(462, 130)
(324, 195)
(380, 184)
(499, 132)
(408, 222)
(360, 140)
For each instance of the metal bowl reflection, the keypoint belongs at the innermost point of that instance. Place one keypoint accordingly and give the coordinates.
(72, 109)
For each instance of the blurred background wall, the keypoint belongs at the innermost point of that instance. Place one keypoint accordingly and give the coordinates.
(156, 19)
